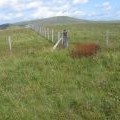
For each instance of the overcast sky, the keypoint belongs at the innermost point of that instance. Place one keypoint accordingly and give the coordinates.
(20, 10)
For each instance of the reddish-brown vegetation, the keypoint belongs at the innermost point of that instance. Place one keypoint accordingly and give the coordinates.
(88, 49)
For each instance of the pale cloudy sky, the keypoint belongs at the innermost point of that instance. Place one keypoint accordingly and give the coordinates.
(20, 10)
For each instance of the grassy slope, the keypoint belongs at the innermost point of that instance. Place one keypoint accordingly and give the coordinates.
(36, 83)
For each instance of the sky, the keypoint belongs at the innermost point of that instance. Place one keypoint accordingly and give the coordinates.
(12, 11)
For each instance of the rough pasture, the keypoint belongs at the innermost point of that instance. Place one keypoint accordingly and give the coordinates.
(88, 49)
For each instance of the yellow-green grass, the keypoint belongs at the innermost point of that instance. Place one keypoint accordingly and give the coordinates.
(39, 84)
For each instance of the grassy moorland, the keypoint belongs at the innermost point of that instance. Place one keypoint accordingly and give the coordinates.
(39, 84)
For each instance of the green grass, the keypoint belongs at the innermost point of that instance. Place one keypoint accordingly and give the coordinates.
(38, 84)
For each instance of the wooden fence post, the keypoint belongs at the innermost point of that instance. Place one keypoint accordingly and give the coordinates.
(10, 45)
(48, 33)
(40, 29)
(52, 35)
(58, 35)
(45, 32)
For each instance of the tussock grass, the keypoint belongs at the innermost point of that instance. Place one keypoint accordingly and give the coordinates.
(38, 84)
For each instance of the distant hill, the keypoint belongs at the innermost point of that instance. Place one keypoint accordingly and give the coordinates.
(54, 20)
(5, 26)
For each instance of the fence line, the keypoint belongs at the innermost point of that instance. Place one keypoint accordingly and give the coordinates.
(107, 38)
(43, 31)
(49, 34)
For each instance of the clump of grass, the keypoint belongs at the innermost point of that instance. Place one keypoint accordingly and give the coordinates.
(36, 83)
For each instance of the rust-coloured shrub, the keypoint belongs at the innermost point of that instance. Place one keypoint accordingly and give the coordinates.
(88, 49)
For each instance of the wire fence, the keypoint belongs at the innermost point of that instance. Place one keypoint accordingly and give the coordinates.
(106, 38)
(20, 38)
